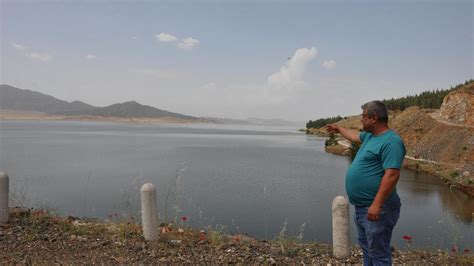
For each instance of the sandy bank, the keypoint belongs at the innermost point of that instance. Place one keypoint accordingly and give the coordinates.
(22, 115)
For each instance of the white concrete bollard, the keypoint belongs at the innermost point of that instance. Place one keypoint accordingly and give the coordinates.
(340, 228)
(149, 212)
(4, 197)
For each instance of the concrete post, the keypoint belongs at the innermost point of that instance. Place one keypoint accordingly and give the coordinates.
(340, 227)
(149, 212)
(4, 197)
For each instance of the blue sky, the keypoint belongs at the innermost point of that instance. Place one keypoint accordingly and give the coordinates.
(295, 60)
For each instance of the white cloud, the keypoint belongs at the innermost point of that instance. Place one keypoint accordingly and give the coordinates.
(38, 56)
(289, 79)
(134, 38)
(31, 54)
(329, 64)
(19, 47)
(210, 85)
(188, 43)
(90, 57)
(164, 37)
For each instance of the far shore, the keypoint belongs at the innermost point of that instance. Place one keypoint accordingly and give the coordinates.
(21, 115)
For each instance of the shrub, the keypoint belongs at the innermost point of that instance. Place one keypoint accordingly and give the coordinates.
(331, 140)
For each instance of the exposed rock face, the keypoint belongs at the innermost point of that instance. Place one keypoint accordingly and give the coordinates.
(458, 106)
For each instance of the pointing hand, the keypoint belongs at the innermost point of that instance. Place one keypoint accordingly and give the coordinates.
(332, 128)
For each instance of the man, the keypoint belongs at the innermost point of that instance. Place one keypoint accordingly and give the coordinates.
(371, 181)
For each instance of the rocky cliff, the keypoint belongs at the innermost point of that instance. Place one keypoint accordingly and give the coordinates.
(458, 106)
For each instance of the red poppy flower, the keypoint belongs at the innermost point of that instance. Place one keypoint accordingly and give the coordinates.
(466, 250)
(407, 237)
(184, 219)
(454, 248)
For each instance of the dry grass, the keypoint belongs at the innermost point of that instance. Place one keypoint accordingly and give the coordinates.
(37, 237)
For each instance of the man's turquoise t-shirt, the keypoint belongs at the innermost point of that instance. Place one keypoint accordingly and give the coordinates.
(376, 154)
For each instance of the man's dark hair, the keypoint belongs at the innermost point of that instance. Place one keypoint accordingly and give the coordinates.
(378, 109)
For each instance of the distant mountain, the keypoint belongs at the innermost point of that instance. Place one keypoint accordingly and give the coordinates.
(16, 99)
(129, 109)
(255, 121)
(75, 106)
(219, 120)
(12, 98)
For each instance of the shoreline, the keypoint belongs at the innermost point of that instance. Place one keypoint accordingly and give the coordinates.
(38, 237)
(37, 116)
(444, 171)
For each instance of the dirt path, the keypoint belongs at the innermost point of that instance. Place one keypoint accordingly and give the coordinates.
(435, 115)
(420, 160)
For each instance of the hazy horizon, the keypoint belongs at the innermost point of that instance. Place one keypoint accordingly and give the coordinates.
(297, 61)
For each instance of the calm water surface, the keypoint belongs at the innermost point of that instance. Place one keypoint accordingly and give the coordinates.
(249, 179)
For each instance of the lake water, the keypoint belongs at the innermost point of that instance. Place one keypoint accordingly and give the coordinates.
(249, 179)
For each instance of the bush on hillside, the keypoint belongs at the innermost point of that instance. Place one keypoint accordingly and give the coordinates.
(322, 122)
(427, 100)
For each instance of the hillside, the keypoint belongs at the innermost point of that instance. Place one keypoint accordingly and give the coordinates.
(17, 103)
(16, 99)
(426, 100)
(128, 109)
(438, 141)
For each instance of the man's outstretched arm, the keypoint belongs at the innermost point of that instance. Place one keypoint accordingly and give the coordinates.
(349, 134)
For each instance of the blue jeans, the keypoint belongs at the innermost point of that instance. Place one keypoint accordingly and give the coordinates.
(374, 237)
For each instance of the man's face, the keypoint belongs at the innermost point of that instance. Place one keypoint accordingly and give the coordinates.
(367, 122)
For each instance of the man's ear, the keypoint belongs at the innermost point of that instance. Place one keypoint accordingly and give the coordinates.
(374, 118)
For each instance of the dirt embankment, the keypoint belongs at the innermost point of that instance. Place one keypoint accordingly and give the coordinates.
(431, 140)
(37, 237)
(438, 148)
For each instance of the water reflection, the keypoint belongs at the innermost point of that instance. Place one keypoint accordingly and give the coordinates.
(422, 185)
(461, 205)
(227, 169)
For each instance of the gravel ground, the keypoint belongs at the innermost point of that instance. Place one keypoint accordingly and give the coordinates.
(37, 237)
